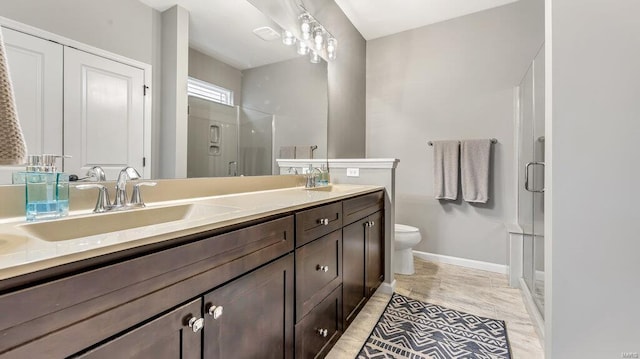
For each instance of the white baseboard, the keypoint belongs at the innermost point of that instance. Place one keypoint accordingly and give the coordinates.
(387, 288)
(463, 262)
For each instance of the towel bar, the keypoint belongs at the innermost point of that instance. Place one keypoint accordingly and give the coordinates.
(493, 140)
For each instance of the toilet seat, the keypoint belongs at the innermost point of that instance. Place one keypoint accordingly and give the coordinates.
(402, 228)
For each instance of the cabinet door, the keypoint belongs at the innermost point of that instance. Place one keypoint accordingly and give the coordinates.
(168, 337)
(35, 67)
(318, 331)
(252, 317)
(103, 114)
(375, 252)
(353, 273)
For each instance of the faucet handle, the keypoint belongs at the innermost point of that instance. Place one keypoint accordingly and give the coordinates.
(98, 173)
(102, 203)
(136, 198)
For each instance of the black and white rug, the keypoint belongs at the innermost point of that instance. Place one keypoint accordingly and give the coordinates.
(409, 328)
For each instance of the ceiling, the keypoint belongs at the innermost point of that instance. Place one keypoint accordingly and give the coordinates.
(223, 29)
(378, 18)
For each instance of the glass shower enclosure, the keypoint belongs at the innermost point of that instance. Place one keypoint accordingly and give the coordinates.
(531, 177)
(228, 140)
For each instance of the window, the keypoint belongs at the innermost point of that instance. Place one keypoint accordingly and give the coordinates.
(210, 92)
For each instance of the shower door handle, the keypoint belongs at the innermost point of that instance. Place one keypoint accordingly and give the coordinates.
(526, 176)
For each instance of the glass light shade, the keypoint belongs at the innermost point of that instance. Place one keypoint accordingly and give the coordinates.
(305, 26)
(332, 46)
(303, 49)
(314, 57)
(318, 37)
(288, 38)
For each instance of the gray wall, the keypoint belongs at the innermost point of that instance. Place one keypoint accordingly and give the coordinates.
(593, 51)
(175, 55)
(346, 75)
(125, 27)
(299, 106)
(206, 68)
(452, 80)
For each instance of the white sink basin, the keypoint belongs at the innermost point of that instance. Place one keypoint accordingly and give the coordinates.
(94, 224)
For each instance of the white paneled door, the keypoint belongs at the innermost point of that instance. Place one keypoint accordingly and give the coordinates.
(103, 114)
(35, 67)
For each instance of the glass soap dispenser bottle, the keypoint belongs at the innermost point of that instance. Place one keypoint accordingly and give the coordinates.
(46, 189)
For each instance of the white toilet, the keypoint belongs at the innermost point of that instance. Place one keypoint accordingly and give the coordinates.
(406, 237)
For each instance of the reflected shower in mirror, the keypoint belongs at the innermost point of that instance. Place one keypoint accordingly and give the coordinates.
(283, 105)
(279, 99)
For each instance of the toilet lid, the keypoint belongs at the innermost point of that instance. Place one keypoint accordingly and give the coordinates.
(405, 228)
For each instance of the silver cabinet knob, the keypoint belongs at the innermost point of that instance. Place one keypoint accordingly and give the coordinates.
(324, 221)
(215, 311)
(323, 332)
(322, 268)
(373, 223)
(196, 324)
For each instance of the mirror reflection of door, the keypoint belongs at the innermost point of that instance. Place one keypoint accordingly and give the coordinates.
(36, 73)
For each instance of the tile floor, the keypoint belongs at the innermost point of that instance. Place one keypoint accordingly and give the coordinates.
(469, 290)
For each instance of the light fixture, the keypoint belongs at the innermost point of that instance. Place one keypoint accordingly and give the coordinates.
(332, 45)
(305, 26)
(312, 38)
(314, 57)
(288, 38)
(318, 37)
(303, 48)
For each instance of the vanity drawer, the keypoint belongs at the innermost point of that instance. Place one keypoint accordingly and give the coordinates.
(357, 208)
(316, 222)
(318, 271)
(321, 328)
(77, 311)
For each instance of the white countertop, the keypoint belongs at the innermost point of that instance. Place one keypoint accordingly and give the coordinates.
(22, 252)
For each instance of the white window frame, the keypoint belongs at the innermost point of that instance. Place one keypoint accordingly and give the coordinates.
(210, 92)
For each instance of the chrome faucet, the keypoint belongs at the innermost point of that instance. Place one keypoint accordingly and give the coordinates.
(127, 173)
(96, 172)
(120, 201)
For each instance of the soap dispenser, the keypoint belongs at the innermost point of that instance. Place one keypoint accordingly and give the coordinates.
(46, 189)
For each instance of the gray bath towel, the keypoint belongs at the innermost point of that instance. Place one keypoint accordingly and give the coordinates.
(305, 152)
(474, 169)
(287, 152)
(446, 155)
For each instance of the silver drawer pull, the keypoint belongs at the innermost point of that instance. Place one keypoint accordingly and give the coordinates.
(323, 332)
(322, 268)
(215, 311)
(196, 324)
(324, 221)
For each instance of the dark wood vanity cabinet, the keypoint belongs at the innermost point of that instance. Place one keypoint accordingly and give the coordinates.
(280, 287)
(375, 251)
(363, 250)
(252, 317)
(167, 337)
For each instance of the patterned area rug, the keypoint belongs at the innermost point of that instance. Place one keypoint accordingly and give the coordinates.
(409, 328)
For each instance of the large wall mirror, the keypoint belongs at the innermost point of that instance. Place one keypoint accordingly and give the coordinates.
(279, 99)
